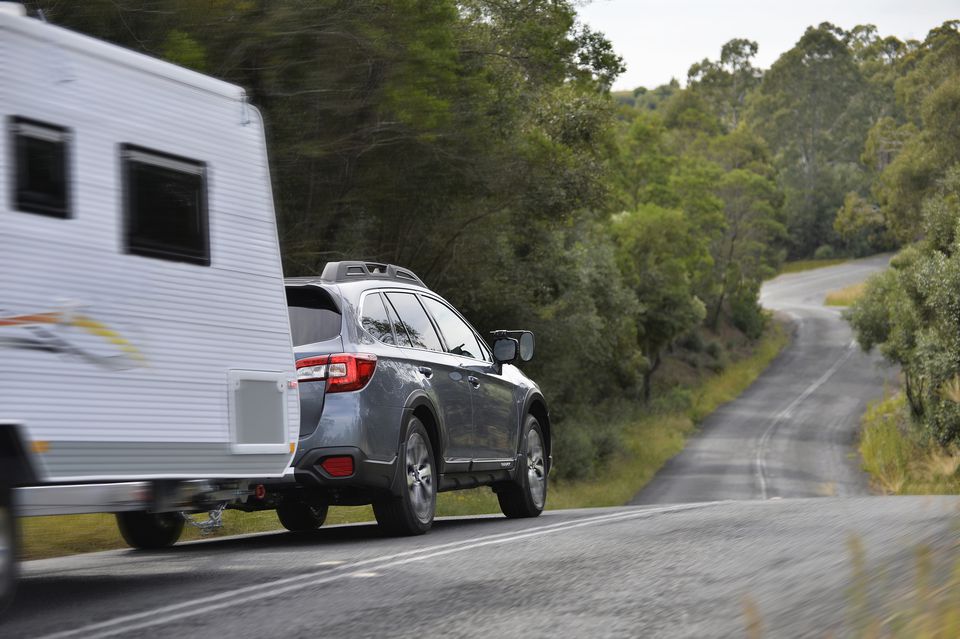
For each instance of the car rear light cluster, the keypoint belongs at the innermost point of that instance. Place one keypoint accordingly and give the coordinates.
(343, 372)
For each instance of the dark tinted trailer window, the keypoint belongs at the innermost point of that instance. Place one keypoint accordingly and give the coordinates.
(313, 315)
(165, 203)
(375, 320)
(41, 177)
(459, 337)
(414, 320)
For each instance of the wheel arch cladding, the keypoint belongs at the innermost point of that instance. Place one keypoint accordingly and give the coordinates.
(425, 414)
(539, 410)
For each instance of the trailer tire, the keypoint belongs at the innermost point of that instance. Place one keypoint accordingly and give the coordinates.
(150, 531)
(298, 516)
(9, 549)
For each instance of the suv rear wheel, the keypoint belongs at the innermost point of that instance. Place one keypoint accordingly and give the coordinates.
(411, 513)
(528, 495)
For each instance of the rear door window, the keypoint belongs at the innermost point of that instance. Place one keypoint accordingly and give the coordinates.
(459, 337)
(314, 316)
(375, 320)
(412, 319)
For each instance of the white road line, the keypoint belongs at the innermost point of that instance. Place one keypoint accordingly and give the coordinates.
(259, 592)
(760, 464)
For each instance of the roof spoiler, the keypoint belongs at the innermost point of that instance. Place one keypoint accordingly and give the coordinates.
(355, 270)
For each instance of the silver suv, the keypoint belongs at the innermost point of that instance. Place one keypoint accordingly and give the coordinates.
(401, 398)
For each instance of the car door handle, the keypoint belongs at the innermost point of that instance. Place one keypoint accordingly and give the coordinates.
(474, 381)
(426, 371)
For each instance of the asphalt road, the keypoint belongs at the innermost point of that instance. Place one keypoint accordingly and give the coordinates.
(679, 570)
(666, 571)
(792, 433)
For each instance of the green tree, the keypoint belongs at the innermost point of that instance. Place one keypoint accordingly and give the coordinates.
(725, 83)
(654, 256)
(911, 312)
(811, 111)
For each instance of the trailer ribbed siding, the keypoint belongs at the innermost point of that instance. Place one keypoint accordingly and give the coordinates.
(161, 409)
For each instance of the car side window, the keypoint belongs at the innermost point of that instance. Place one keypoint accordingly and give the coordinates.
(460, 338)
(375, 320)
(402, 338)
(413, 319)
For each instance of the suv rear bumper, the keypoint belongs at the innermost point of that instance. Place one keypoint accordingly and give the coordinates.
(367, 473)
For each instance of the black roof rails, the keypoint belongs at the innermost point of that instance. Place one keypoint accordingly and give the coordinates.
(356, 270)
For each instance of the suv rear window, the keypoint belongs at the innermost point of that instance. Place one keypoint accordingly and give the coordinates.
(313, 315)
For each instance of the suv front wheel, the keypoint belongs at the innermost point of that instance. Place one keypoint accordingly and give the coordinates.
(528, 495)
(411, 513)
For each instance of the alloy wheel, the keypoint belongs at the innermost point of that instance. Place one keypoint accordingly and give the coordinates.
(420, 477)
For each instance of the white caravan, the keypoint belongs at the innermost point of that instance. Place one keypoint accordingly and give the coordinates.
(146, 364)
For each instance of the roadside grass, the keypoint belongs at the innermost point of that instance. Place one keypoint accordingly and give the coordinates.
(898, 457)
(798, 266)
(918, 601)
(650, 439)
(926, 607)
(845, 296)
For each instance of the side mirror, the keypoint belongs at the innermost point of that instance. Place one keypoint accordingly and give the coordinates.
(505, 350)
(527, 342)
(523, 342)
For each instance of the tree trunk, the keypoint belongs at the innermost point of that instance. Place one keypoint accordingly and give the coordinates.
(647, 387)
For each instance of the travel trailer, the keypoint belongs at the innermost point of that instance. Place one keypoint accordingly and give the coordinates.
(146, 365)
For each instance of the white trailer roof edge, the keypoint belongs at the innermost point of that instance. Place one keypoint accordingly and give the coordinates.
(59, 36)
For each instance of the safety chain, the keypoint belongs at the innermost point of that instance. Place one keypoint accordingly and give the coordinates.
(214, 520)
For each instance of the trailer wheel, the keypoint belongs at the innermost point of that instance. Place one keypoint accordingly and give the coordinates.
(8, 546)
(298, 516)
(150, 531)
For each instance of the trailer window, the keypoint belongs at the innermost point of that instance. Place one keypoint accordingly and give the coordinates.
(313, 315)
(165, 204)
(41, 179)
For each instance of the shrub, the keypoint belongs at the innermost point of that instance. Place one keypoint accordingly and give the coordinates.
(824, 252)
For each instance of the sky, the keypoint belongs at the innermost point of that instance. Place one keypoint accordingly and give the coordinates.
(660, 39)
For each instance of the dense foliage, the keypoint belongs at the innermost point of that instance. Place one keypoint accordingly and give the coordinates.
(476, 142)
(912, 311)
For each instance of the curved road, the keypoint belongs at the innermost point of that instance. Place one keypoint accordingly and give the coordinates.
(681, 570)
(792, 433)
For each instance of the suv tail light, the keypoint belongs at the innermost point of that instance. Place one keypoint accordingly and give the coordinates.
(343, 372)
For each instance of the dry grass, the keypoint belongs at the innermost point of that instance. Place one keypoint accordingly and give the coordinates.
(649, 443)
(799, 266)
(927, 607)
(845, 296)
(897, 457)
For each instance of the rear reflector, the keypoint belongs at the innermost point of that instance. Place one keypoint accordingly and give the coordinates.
(339, 466)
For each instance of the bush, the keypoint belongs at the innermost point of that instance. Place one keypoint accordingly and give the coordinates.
(747, 314)
(692, 341)
(824, 252)
(714, 349)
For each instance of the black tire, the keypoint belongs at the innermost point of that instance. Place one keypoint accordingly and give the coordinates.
(527, 496)
(9, 547)
(150, 531)
(298, 516)
(411, 513)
